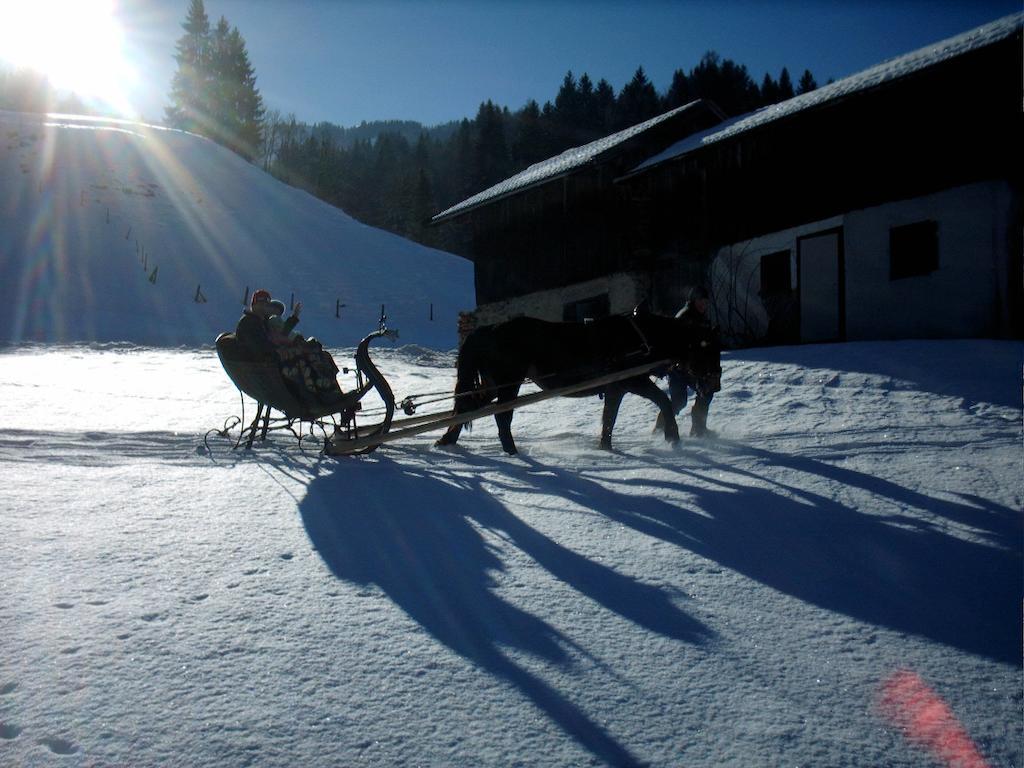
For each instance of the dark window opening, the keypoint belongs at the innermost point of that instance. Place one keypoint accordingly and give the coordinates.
(592, 308)
(913, 250)
(779, 300)
(776, 277)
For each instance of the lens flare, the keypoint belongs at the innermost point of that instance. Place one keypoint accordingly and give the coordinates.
(926, 720)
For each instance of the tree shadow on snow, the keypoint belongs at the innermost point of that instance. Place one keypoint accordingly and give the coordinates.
(414, 535)
(986, 371)
(889, 572)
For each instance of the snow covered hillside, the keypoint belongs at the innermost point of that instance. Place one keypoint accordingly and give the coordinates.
(111, 231)
(836, 580)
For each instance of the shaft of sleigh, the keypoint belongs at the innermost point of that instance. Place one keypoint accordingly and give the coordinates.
(343, 446)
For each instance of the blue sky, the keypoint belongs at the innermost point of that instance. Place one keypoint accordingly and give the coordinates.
(434, 61)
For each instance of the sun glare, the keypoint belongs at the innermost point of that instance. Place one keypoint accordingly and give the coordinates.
(77, 44)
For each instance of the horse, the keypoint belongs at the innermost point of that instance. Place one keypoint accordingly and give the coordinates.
(495, 360)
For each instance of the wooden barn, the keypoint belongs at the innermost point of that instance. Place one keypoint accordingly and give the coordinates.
(554, 240)
(884, 205)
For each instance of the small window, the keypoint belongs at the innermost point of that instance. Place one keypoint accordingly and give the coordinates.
(775, 274)
(913, 250)
(586, 309)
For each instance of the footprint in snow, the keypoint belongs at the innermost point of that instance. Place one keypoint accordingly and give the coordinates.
(59, 746)
(9, 731)
(7, 688)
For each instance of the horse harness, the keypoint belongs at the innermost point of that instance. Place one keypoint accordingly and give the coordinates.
(645, 347)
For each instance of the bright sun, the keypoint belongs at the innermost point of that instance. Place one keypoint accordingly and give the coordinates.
(77, 44)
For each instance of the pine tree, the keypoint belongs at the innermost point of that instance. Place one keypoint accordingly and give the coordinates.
(807, 82)
(530, 140)
(490, 151)
(213, 91)
(769, 90)
(219, 92)
(638, 101)
(244, 111)
(591, 119)
(423, 207)
(604, 100)
(568, 113)
(190, 83)
(567, 100)
(785, 85)
(725, 83)
(462, 158)
(679, 91)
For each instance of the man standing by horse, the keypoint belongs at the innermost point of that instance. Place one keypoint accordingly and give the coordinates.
(695, 314)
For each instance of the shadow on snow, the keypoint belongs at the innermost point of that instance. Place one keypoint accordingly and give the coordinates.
(898, 572)
(416, 536)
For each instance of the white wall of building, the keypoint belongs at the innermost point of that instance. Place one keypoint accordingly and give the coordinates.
(736, 279)
(624, 290)
(966, 296)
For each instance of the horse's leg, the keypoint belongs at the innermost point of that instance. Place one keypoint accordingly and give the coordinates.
(677, 391)
(647, 389)
(504, 421)
(465, 384)
(612, 400)
(450, 437)
(699, 415)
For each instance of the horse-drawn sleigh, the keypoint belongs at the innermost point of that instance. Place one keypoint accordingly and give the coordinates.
(610, 357)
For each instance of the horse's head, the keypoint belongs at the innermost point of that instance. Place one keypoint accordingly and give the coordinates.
(696, 349)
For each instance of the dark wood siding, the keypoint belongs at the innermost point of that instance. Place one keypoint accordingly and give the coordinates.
(572, 228)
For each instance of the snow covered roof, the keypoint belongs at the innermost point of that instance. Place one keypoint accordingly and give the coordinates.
(560, 165)
(885, 72)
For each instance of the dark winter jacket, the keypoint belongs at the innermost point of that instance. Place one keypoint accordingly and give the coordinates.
(692, 316)
(252, 332)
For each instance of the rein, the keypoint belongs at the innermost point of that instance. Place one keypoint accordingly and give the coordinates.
(645, 347)
(409, 405)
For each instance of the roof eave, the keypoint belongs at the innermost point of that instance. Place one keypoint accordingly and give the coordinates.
(444, 217)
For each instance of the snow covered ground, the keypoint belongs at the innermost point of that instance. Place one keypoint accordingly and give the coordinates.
(116, 231)
(752, 600)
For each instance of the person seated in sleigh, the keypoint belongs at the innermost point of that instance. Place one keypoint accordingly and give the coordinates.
(303, 362)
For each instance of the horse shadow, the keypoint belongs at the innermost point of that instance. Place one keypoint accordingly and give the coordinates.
(891, 572)
(415, 534)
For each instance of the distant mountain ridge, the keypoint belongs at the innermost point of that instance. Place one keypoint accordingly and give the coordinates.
(410, 130)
